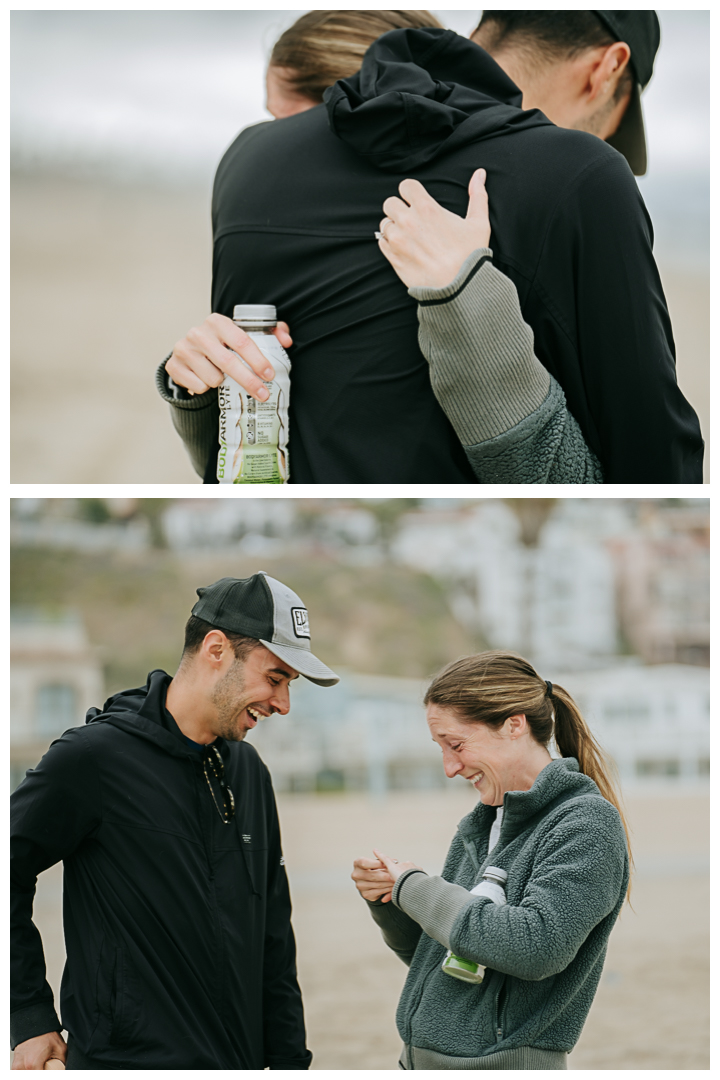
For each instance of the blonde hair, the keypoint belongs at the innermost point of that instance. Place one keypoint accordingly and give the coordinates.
(324, 46)
(491, 686)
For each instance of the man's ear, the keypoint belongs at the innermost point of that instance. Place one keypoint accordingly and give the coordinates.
(607, 71)
(214, 646)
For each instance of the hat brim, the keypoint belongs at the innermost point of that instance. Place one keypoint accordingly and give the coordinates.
(304, 662)
(629, 139)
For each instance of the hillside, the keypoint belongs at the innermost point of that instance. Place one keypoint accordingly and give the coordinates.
(385, 619)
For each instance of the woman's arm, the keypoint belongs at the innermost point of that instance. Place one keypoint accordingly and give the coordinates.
(188, 379)
(194, 417)
(374, 882)
(580, 877)
(509, 413)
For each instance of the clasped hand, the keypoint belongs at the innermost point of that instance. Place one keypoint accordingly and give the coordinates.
(374, 878)
(426, 244)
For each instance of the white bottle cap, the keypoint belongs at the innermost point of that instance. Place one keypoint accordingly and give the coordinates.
(496, 872)
(255, 313)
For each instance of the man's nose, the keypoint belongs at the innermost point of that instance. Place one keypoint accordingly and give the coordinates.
(280, 700)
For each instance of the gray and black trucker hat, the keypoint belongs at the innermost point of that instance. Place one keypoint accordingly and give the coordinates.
(263, 608)
(640, 30)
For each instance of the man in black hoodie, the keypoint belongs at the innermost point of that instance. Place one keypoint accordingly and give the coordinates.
(296, 204)
(176, 911)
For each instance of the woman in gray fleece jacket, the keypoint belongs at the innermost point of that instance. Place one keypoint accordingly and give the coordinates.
(556, 827)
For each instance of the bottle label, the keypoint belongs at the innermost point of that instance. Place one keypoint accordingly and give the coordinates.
(254, 434)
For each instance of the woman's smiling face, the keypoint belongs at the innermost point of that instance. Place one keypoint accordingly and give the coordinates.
(494, 761)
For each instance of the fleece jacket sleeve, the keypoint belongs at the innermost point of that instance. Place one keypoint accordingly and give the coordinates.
(432, 902)
(400, 932)
(56, 807)
(195, 418)
(283, 1018)
(509, 413)
(577, 880)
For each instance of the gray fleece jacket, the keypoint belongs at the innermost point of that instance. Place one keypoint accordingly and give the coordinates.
(563, 847)
(509, 413)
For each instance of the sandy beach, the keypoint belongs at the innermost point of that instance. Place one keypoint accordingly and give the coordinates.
(652, 1007)
(104, 280)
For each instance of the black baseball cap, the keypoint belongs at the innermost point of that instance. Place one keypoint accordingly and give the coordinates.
(263, 608)
(640, 30)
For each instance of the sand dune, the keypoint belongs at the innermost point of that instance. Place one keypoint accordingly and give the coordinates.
(104, 280)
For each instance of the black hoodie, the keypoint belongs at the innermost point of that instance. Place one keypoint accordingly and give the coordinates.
(180, 953)
(295, 206)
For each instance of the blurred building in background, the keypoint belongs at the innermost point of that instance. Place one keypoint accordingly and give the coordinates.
(607, 597)
(55, 675)
(370, 732)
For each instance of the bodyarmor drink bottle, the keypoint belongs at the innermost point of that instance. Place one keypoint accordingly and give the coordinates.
(492, 885)
(254, 434)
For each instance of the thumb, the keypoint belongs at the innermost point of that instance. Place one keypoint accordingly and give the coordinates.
(478, 204)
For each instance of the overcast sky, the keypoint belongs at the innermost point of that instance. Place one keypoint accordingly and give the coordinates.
(164, 92)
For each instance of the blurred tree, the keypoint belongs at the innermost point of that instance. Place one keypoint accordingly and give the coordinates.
(94, 510)
(532, 515)
(387, 513)
(153, 510)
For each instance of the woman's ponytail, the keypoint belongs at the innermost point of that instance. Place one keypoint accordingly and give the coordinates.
(573, 738)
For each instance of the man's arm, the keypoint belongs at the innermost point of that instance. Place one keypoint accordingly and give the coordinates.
(283, 1018)
(53, 810)
(603, 330)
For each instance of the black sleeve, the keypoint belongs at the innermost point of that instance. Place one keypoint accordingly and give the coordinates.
(609, 342)
(283, 1017)
(54, 809)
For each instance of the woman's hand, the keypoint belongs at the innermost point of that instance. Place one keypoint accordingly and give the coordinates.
(203, 358)
(424, 243)
(374, 878)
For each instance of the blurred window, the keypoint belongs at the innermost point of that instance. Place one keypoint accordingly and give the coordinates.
(626, 710)
(657, 767)
(56, 708)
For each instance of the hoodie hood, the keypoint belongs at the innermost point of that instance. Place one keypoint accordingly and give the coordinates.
(142, 712)
(421, 93)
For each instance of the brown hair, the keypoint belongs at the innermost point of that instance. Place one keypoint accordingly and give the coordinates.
(197, 629)
(324, 46)
(492, 686)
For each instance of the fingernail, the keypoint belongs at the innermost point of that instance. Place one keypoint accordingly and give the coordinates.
(268, 373)
(263, 393)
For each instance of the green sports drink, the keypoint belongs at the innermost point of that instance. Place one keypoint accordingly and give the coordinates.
(492, 885)
(254, 434)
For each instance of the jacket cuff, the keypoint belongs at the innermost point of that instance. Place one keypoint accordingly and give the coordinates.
(168, 391)
(401, 881)
(426, 295)
(435, 904)
(31, 1021)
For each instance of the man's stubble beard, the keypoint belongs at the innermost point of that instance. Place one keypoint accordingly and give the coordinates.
(227, 699)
